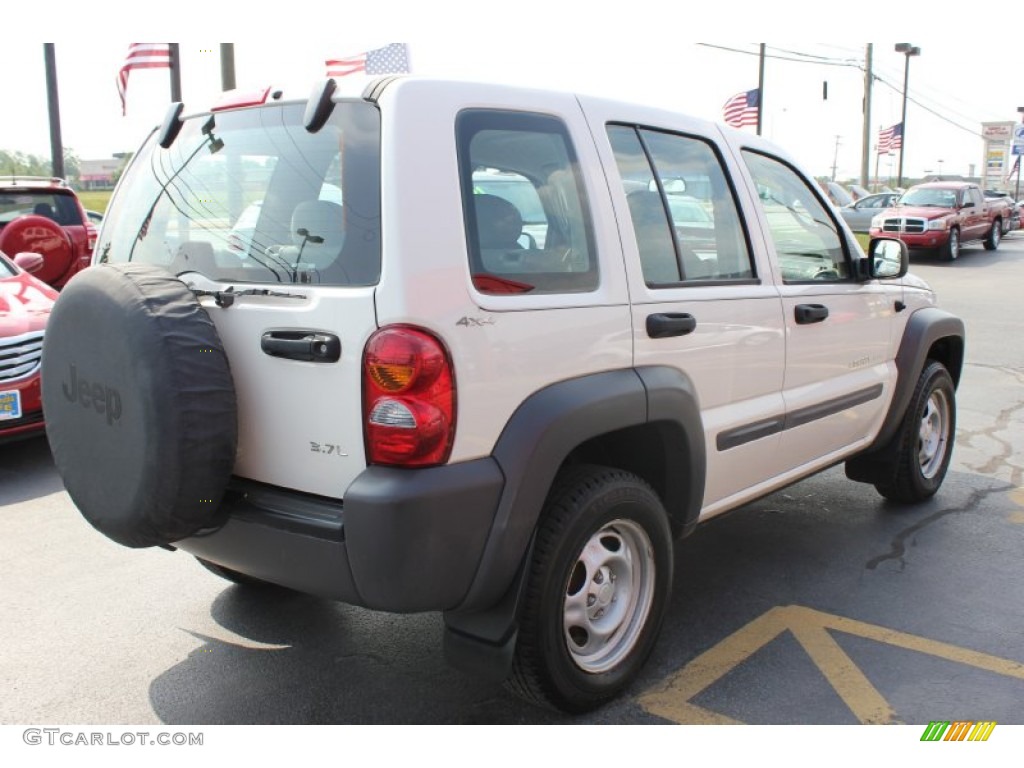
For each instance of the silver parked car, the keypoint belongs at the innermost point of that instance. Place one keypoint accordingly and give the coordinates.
(859, 214)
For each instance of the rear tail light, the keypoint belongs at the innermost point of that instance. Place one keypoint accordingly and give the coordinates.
(408, 398)
(90, 231)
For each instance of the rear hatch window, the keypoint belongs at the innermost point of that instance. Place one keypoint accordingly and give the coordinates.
(60, 207)
(251, 196)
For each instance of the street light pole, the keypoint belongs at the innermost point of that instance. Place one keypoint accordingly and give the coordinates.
(907, 50)
(1016, 195)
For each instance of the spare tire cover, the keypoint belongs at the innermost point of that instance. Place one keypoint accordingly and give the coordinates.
(38, 234)
(139, 404)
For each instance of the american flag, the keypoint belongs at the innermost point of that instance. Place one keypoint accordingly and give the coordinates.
(391, 59)
(890, 138)
(142, 56)
(742, 108)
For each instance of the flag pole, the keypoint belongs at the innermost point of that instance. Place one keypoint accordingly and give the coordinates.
(760, 89)
(175, 59)
(53, 103)
(878, 157)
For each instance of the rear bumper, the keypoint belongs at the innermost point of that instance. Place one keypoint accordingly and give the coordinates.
(402, 541)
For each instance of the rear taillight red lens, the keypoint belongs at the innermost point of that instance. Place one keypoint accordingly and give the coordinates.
(408, 398)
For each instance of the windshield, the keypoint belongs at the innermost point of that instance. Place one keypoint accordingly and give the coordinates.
(941, 198)
(251, 196)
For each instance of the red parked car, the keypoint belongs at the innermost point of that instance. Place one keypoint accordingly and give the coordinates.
(25, 304)
(43, 215)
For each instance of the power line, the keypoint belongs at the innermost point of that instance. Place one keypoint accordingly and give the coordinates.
(808, 58)
(826, 62)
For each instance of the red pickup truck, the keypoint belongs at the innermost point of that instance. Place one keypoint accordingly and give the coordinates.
(942, 216)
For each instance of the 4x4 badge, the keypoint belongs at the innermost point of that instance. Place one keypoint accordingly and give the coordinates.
(475, 322)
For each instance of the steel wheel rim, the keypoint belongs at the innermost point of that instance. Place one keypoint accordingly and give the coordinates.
(933, 436)
(608, 596)
(954, 243)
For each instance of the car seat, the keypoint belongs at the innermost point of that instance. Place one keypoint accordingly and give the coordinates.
(499, 223)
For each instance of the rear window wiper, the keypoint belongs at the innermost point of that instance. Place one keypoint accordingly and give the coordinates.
(226, 298)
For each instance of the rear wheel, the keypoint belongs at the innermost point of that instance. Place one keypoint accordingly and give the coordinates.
(597, 589)
(925, 439)
(951, 250)
(994, 236)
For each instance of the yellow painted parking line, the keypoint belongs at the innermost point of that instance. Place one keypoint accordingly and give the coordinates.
(673, 698)
(853, 687)
(1017, 497)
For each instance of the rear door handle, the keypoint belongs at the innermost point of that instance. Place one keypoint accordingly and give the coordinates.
(302, 345)
(810, 313)
(665, 324)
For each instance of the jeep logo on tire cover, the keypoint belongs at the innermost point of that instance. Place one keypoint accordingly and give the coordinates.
(103, 399)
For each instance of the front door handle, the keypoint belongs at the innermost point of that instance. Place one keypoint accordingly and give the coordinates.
(310, 346)
(665, 324)
(810, 313)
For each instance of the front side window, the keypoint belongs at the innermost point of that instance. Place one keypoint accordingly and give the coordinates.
(806, 238)
(251, 196)
(527, 224)
(682, 208)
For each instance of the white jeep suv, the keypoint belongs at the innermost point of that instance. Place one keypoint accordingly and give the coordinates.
(416, 395)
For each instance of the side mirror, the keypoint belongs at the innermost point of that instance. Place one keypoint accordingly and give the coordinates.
(887, 259)
(30, 262)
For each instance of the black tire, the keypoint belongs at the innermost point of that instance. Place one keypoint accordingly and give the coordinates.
(140, 404)
(925, 439)
(234, 576)
(995, 234)
(602, 564)
(951, 250)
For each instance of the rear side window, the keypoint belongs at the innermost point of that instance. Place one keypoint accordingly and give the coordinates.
(525, 208)
(683, 210)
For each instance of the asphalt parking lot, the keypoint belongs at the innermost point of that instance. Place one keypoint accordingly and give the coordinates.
(819, 604)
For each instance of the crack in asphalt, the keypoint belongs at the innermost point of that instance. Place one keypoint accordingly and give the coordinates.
(999, 459)
(898, 547)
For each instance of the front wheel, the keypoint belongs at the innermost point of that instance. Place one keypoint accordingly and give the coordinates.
(597, 589)
(925, 439)
(951, 250)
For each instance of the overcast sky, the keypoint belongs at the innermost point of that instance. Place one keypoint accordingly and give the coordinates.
(646, 51)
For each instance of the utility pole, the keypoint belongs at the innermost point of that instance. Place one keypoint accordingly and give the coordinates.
(227, 66)
(175, 57)
(53, 103)
(865, 151)
(760, 91)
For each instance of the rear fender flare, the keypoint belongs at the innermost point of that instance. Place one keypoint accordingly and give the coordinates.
(561, 419)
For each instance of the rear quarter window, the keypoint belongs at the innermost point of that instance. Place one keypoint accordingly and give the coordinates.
(528, 227)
